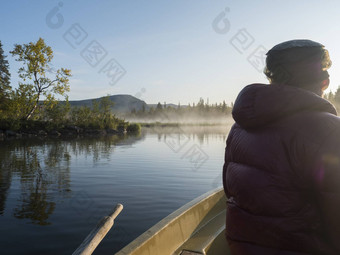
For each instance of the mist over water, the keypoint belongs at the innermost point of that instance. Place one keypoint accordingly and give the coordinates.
(225, 120)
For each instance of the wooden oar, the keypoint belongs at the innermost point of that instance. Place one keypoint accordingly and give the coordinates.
(98, 233)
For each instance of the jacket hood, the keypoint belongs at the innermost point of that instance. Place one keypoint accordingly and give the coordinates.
(261, 104)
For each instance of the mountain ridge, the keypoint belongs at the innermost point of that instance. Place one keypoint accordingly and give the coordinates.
(123, 103)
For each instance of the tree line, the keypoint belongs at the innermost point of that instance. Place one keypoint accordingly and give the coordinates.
(201, 111)
(334, 98)
(34, 105)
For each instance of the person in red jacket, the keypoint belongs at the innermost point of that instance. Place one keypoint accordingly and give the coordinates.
(281, 173)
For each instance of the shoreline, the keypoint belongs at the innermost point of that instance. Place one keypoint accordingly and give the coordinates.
(68, 131)
(180, 124)
(73, 131)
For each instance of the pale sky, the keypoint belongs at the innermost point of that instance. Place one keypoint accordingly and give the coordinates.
(167, 51)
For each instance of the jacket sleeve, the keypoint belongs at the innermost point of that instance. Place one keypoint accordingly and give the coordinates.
(326, 178)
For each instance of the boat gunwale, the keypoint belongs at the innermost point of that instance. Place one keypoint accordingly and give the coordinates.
(162, 224)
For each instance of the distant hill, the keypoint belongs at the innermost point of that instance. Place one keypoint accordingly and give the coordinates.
(122, 103)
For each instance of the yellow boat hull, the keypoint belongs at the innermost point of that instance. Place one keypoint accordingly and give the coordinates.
(197, 228)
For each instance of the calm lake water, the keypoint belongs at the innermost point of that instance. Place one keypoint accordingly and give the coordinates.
(54, 191)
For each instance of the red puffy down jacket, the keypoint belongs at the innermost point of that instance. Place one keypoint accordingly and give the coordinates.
(282, 173)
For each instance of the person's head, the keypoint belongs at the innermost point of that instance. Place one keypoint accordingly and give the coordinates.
(299, 63)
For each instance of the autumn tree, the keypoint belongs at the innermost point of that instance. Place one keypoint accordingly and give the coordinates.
(57, 111)
(36, 58)
(22, 101)
(5, 87)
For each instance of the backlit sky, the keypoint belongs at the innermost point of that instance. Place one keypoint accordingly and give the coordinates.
(167, 50)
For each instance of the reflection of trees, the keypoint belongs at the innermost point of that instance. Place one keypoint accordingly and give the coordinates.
(57, 160)
(36, 180)
(100, 147)
(5, 180)
(42, 169)
(34, 187)
(199, 134)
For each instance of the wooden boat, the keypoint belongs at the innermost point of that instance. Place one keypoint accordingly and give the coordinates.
(197, 228)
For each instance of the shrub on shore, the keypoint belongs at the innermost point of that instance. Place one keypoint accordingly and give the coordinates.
(134, 128)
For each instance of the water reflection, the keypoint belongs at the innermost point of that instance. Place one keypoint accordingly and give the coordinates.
(5, 183)
(198, 134)
(34, 204)
(40, 171)
(52, 192)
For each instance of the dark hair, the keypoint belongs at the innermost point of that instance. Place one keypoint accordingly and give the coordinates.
(297, 66)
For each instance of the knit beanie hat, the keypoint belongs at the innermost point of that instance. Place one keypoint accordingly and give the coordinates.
(297, 63)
